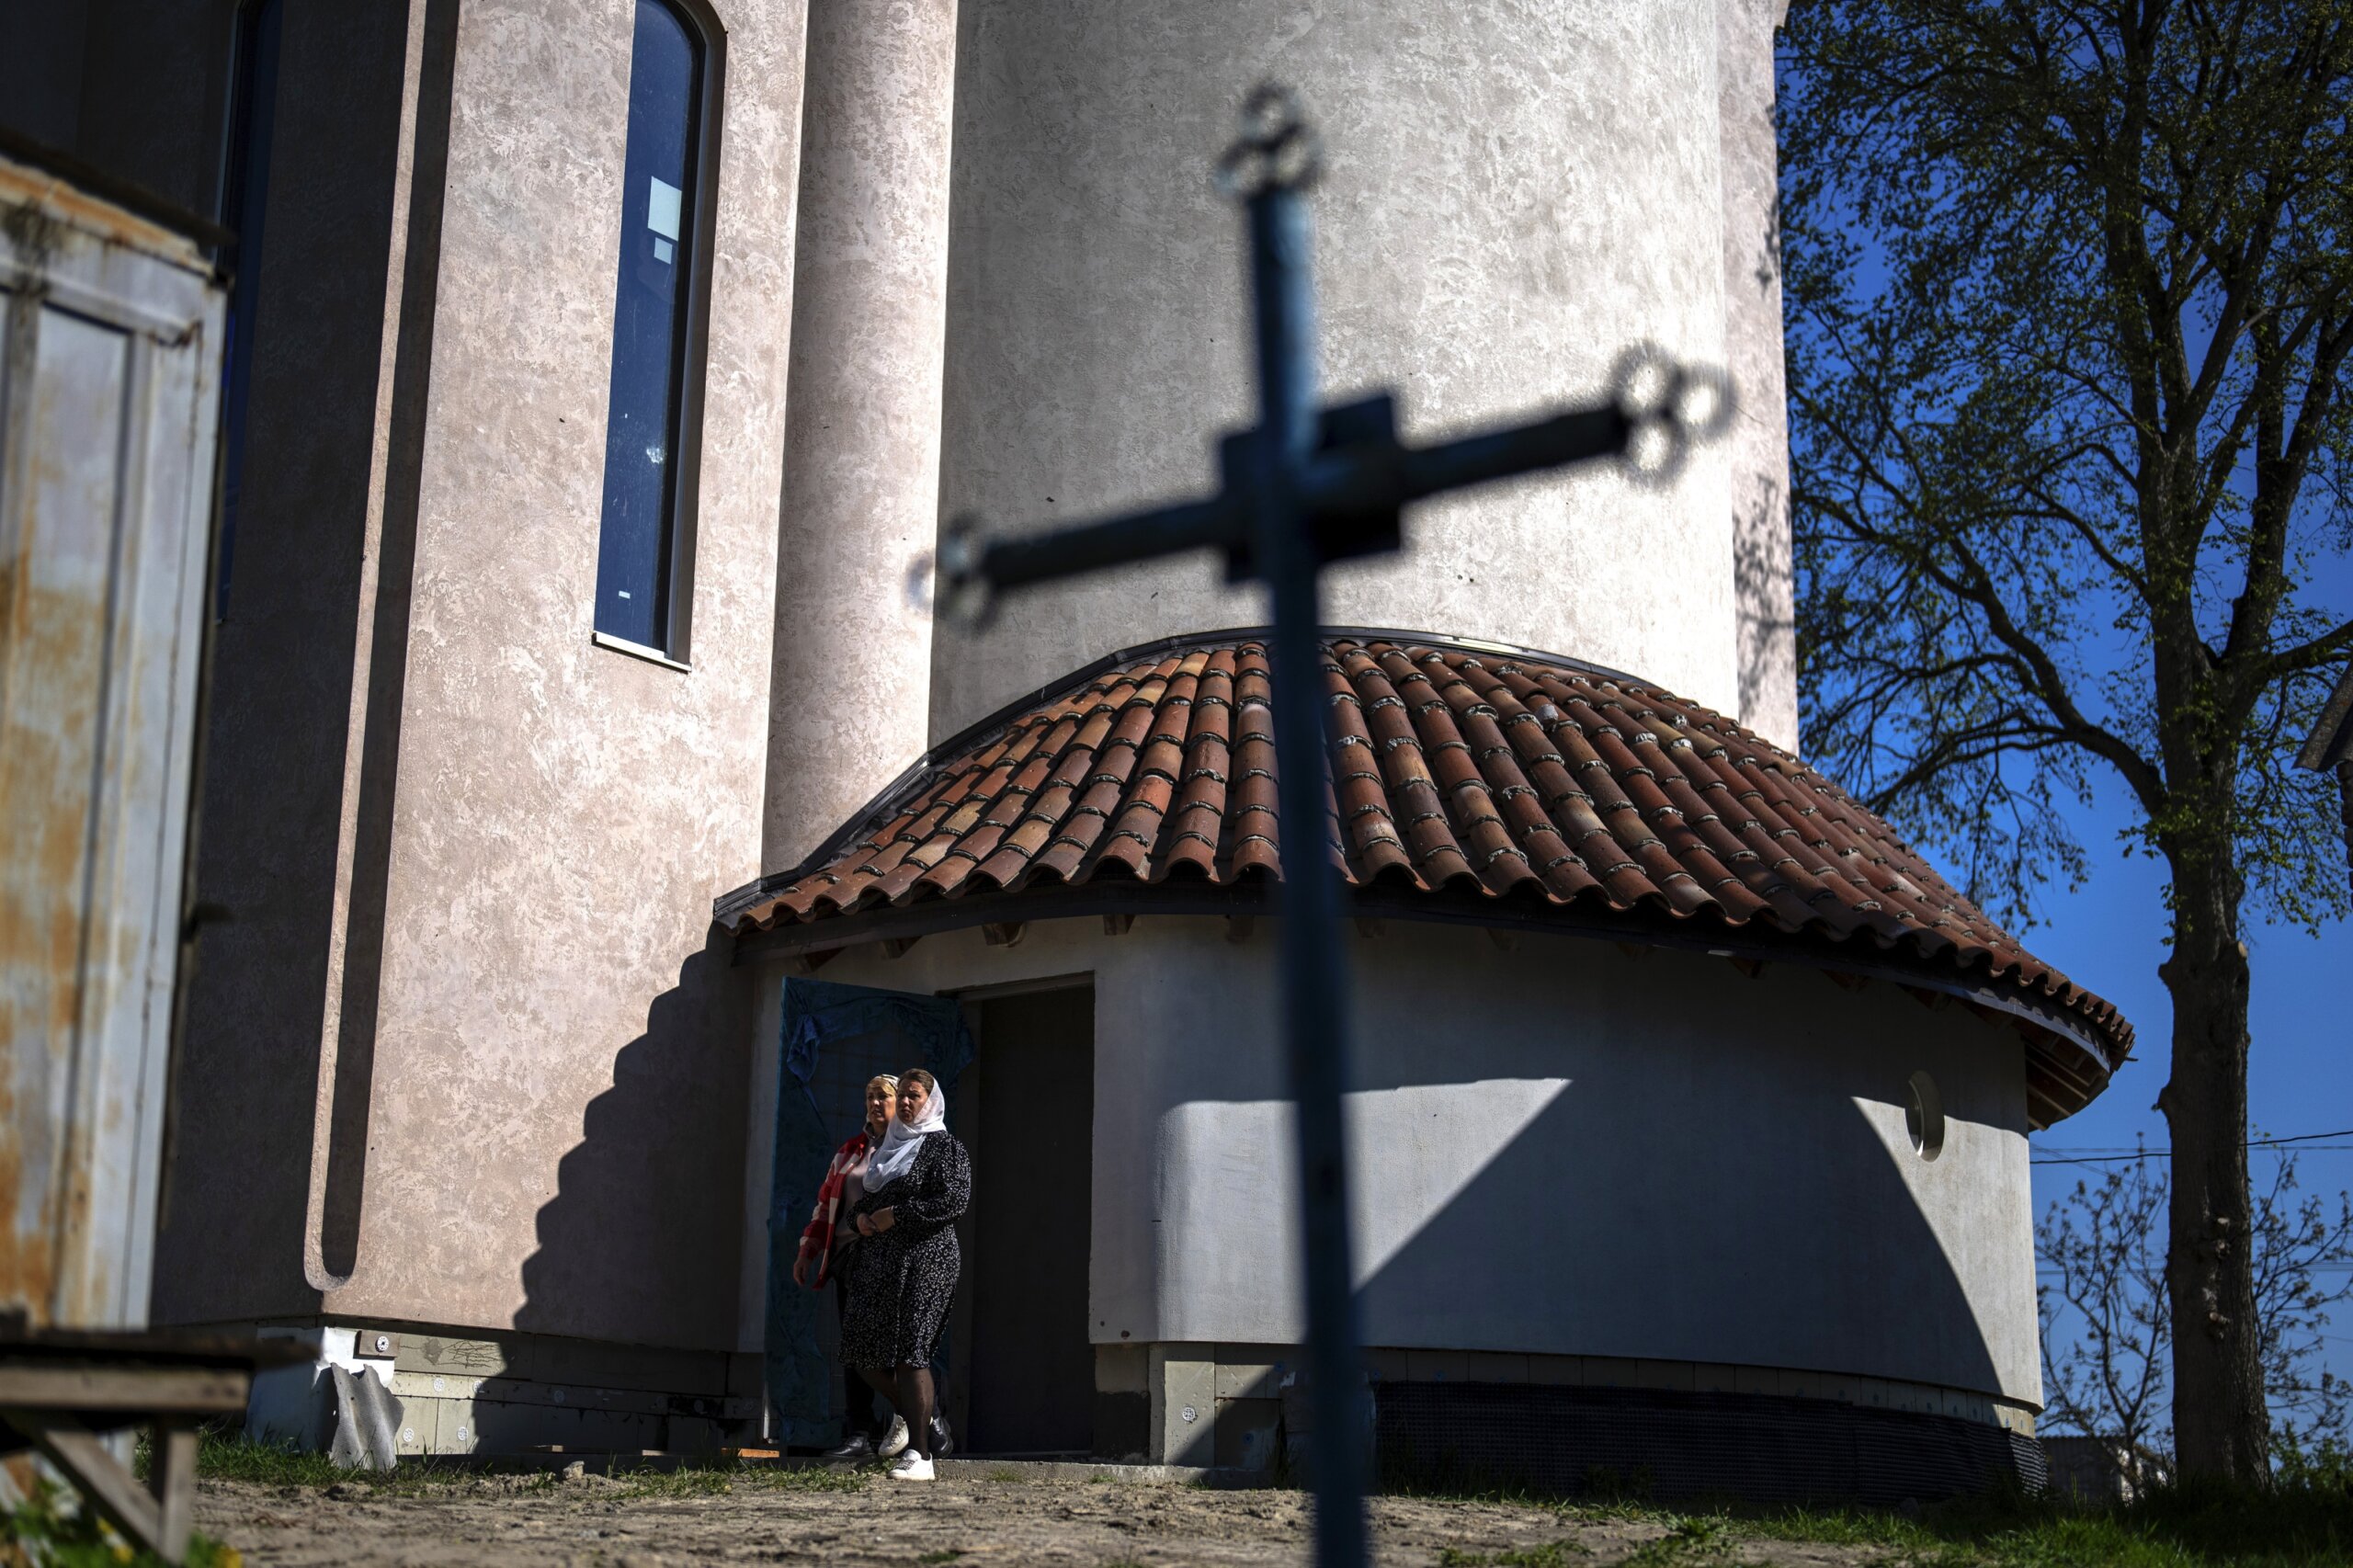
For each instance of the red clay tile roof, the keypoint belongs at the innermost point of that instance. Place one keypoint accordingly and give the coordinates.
(1526, 782)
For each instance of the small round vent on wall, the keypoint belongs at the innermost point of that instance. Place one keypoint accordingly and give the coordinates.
(1924, 1117)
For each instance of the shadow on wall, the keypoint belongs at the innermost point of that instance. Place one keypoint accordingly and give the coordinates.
(1628, 1225)
(1763, 584)
(1564, 1152)
(641, 1240)
(248, 1066)
(1763, 580)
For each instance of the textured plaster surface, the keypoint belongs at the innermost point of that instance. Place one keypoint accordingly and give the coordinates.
(1516, 192)
(862, 469)
(1760, 439)
(553, 1101)
(1557, 1149)
(285, 659)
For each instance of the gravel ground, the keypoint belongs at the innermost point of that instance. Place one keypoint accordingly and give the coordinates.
(640, 1523)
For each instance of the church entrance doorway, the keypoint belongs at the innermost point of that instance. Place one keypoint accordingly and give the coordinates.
(1029, 1121)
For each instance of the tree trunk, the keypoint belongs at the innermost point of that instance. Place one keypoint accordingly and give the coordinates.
(2344, 806)
(2221, 1428)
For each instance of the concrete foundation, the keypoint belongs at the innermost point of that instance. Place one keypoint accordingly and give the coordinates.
(1240, 1394)
(462, 1392)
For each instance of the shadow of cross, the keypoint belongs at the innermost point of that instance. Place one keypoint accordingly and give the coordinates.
(1303, 488)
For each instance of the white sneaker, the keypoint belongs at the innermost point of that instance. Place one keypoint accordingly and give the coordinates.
(913, 1466)
(896, 1442)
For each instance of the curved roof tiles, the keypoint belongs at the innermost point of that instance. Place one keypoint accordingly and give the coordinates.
(1520, 780)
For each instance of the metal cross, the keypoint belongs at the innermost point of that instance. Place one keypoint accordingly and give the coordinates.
(1304, 488)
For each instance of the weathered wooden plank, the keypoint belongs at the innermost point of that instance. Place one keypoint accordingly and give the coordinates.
(95, 1474)
(190, 1391)
(171, 1481)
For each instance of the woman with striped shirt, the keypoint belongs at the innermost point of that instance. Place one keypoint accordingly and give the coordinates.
(825, 1246)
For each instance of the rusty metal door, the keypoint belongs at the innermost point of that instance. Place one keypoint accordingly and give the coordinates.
(110, 338)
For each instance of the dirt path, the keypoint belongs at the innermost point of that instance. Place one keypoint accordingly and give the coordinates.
(621, 1524)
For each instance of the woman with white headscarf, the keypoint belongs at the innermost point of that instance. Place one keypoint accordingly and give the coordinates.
(903, 1275)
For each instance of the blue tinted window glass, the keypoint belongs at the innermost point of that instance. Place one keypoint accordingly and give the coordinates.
(649, 337)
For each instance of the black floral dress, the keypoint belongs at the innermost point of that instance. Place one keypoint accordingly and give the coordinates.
(900, 1281)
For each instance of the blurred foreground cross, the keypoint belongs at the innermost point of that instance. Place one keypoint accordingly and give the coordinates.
(1304, 488)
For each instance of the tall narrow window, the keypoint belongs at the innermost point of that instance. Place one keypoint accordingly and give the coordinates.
(246, 192)
(648, 424)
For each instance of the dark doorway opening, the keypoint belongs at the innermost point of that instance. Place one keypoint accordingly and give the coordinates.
(1028, 1117)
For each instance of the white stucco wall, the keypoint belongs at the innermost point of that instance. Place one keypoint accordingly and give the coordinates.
(1516, 192)
(1558, 1148)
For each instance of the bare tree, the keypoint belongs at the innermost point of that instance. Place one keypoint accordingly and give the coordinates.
(2107, 1334)
(2106, 1318)
(2302, 1247)
(2069, 294)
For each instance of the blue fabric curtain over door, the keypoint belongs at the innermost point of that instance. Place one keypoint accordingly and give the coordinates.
(834, 1038)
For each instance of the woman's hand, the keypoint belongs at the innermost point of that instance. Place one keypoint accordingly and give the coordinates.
(884, 1219)
(801, 1272)
(866, 1226)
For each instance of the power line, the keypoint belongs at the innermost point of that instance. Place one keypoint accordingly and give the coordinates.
(2158, 1154)
(2311, 1138)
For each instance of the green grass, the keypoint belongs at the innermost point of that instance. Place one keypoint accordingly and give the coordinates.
(2293, 1526)
(235, 1456)
(2297, 1524)
(688, 1481)
(1553, 1554)
(1692, 1539)
(722, 1477)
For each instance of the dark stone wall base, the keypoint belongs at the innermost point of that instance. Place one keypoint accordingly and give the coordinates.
(1675, 1446)
(1122, 1425)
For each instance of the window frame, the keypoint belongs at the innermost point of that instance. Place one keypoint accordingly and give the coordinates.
(675, 647)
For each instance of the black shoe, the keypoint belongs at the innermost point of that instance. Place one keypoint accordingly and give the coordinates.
(856, 1446)
(942, 1442)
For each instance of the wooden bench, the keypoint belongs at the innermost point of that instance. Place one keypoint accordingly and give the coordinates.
(59, 1388)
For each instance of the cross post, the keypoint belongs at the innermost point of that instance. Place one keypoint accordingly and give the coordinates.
(1304, 487)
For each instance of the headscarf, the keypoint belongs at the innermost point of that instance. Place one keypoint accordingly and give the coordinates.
(901, 1143)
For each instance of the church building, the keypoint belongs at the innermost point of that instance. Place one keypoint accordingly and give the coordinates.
(592, 794)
